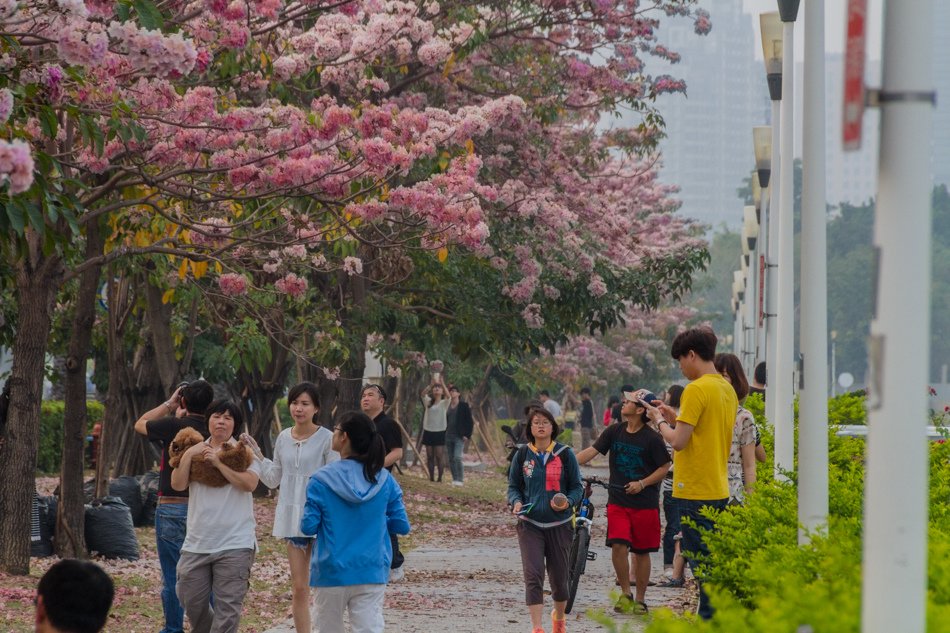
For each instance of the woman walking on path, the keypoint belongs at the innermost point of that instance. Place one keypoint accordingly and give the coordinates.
(352, 507)
(298, 453)
(544, 483)
(458, 428)
(745, 435)
(433, 427)
(219, 546)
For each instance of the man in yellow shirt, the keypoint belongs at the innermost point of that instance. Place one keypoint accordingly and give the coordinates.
(701, 435)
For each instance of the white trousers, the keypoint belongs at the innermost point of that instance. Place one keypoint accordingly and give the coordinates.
(364, 603)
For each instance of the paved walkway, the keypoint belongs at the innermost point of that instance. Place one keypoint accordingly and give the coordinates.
(474, 585)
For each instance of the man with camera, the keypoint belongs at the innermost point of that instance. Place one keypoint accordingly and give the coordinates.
(185, 408)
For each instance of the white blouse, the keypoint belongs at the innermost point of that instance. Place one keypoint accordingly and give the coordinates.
(434, 418)
(294, 461)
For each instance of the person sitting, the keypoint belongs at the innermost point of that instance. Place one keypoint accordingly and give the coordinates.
(73, 596)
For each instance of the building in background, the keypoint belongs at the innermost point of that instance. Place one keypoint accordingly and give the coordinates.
(708, 149)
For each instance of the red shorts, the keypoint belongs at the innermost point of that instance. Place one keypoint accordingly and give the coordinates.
(637, 528)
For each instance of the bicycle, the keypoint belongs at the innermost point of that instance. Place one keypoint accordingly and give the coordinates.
(580, 546)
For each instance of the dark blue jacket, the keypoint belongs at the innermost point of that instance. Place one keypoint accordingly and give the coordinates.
(536, 477)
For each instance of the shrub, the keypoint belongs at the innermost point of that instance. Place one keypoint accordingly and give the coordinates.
(761, 580)
(50, 451)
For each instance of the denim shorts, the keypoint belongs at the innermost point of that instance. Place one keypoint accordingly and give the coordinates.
(300, 542)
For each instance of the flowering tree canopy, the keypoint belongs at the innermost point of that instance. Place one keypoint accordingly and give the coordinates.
(321, 170)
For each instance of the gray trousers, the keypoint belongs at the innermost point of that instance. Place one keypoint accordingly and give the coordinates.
(223, 573)
(540, 548)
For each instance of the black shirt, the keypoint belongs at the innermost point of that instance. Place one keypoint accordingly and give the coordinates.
(587, 414)
(633, 456)
(387, 427)
(164, 430)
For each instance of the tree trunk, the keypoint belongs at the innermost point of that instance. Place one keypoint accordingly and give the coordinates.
(134, 387)
(37, 278)
(159, 317)
(70, 542)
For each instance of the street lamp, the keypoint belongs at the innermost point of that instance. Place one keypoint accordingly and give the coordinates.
(762, 149)
(781, 370)
(770, 29)
(750, 224)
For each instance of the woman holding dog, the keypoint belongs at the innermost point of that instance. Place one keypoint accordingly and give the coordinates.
(220, 543)
(299, 452)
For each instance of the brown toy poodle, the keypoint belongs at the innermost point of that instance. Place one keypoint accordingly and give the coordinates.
(237, 458)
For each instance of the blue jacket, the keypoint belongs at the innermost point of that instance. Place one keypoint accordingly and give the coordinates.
(535, 478)
(352, 520)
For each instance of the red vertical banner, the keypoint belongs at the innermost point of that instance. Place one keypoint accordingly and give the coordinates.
(854, 57)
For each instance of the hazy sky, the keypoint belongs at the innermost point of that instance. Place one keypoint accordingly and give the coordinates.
(834, 24)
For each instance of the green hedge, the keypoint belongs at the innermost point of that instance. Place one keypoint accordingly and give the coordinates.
(761, 580)
(50, 452)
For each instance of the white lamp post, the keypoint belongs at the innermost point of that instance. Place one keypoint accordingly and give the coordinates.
(896, 495)
(813, 399)
(762, 146)
(772, 48)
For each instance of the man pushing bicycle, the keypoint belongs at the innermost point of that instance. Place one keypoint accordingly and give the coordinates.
(638, 461)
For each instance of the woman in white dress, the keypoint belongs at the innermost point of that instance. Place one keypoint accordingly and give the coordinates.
(298, 453)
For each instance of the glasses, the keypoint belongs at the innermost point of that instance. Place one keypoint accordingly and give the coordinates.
(338, 428)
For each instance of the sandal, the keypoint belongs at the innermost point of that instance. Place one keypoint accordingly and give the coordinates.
(673, 582)
(640, 608)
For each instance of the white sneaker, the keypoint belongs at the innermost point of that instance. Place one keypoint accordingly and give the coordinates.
(457, 483)
(398, 574)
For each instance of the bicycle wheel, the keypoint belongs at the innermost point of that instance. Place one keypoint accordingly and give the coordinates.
(577, 561)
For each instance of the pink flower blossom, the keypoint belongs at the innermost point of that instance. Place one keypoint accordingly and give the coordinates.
(292, 285)
(434, 52)
(331, 373)
(352, 265)
(6, 105)
(232, 284)
(597, 287)
(16, 165)
(532, 316)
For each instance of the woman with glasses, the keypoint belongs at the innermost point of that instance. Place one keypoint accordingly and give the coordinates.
(544, 483)
(352, 507)
(298, 453)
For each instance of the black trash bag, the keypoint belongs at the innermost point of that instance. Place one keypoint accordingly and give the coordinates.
(127, 488)
(149, 486)
(88, 490)
(109, 530)
(44, 546)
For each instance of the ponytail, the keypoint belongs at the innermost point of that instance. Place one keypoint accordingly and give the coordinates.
(367, 444)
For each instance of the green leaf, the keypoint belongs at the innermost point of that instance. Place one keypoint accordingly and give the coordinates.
(15, 213)
(48, 121)
(149, 15)
(36, 218)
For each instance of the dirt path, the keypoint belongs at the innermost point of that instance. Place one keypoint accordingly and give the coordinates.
(474, 584)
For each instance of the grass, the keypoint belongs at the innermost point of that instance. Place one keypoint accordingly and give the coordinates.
(437, 512)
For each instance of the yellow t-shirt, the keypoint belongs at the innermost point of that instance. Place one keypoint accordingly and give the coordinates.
(709, 405)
